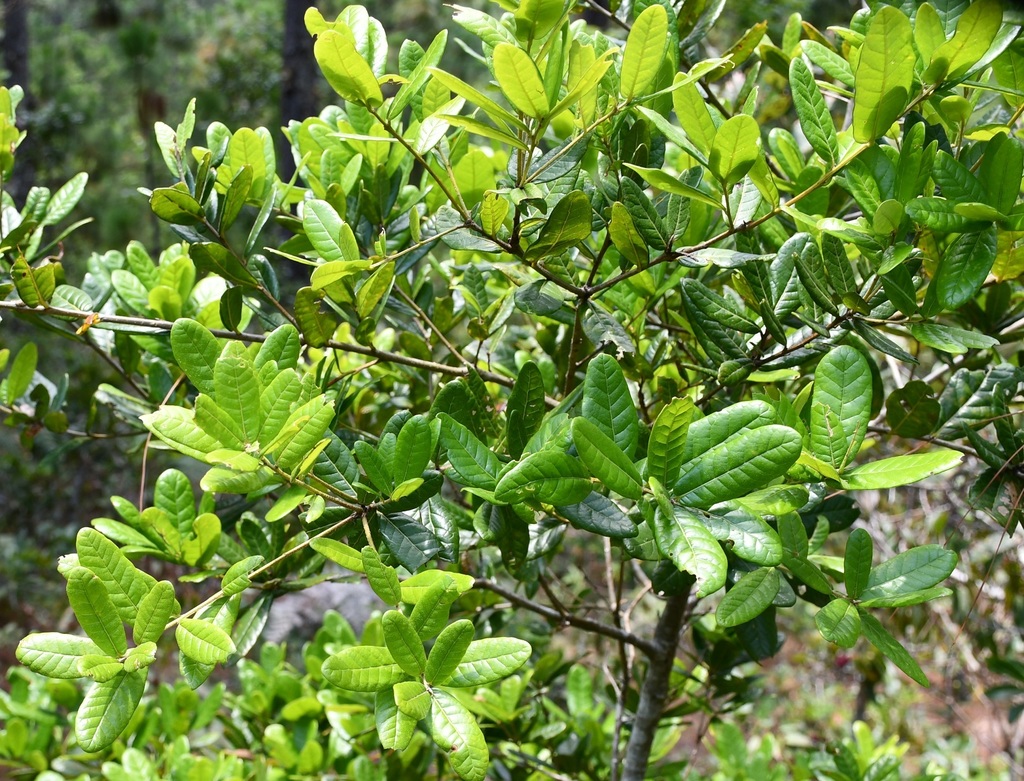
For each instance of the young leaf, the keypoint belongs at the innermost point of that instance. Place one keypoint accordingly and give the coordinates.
(236, 579)
(196, 351)
(157, 608)
(839, 623)
(605, 460)
(455, 731)
(125, 585)
(449, 649)
(403, 643)
(520, 80)
(885, 74)
(394, 727)
(418, 586)
(237, 392)
(412, 698)
(608, 405)
(668, 438)
(346, 70)
(107, 709)
(901, 470)
(382, 578)
(413, 449)
(430, 614)
(339, 553)
(363, 669)
(737, 146)
(203, 641)
(549, 476)
(95, 611)
(645, 49)
(815, 120)
(751, 596)
(487, 661)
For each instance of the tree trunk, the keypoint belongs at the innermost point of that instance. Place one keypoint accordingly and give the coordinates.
(15, 62)
(654, 690)
(298, 79)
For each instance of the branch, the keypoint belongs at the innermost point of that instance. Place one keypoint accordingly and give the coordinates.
(566, 619)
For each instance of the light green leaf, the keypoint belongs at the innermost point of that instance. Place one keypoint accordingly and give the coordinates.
(908, 598)
(624, 235)
(23, 369)
(95, 611)
(857, 562)
(738, 465)
(449, 649)
(236, 579)
(916, 569)
(203, 641)
(283, 346)
(661, 180)
(752, 538)
(55, 655)
(382, 578)
(394, 727)
(99, 668)
(549, 476)
(346, 70)
(455, 731)
(363, 669)
(65, 199)
(682, 537)
(737, 146)
(605, 460)
(339, 553)
(951, 339)
(885, 74)
(323, 225)
(125, 585)
(489, 660)
(157, 608)
(520, 80)
(645, 49)
(106, 710)
(412, 698)
(237, 392)
(416, 588)
(975, 30)
(750, 597)
(413, 449)
(176, 427)
(880, 638)
(842, 385)
(608, 405)
(693, 115)
(901, 470)
(475, 465)
(815, 119)
(403, 643)
(839, 623)
(668, 438)
(196, 351)
(430, 614)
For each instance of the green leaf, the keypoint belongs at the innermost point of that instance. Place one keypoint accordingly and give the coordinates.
(975, 30)
(125, 585)
(489, 660)
(23, 369)
(857, 562)
(412, 698)
(916, 569)
(55, 655)
(566, 226)
(625, 237)
(645, 49)
(203, 641)
(475, 465)
(339, 553)
(885, 74)
(668, 439)
(419, 585)
(842, 385)
(737, 146)
(693, 115)
(382, 578)
(683, 538)
(95, 611)
(63, 202)
(951, 339)
(394, 727)
(963, 269)
(100, 668)
(107, 709)
(525, 409)
(752, 538)
(176, 426)
(549, 476)
(751, 596)
(901, 470)
(520, 80)
(362, 669)
(430, 614)
(880, 638)
(346, 70)
(156, 610)
(409, 541)
(738, 465)
(455, 731)
(413, 449)
(236, 196)
(839, 623)
(449, 649)
(176, 206)
(219, 260)
(608, 405)
(815, 119)
(600, 515)
(605, 460)
(403, 643)
(283, 346)
(236, 579)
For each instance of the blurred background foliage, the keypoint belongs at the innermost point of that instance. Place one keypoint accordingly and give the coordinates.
(101, 72)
